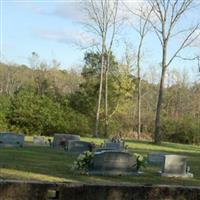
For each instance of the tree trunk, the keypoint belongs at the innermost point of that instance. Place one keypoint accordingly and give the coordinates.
(139, 89)
(106, 94)
(96, 133)
(157, 136)
(139, 107)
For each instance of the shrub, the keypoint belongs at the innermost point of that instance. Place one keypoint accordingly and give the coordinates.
(183, 130)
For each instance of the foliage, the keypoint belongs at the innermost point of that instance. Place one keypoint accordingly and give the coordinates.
(84, 161)
(182, 130)
(44, 100)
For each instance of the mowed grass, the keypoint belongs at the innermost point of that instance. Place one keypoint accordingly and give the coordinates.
(47, 164)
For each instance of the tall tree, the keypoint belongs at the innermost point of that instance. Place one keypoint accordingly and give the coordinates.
(102, 22)
(167, 16)
(143, 13)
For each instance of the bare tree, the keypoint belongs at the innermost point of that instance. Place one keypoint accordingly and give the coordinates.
(167, 15)
(143, 13)
(102, 22)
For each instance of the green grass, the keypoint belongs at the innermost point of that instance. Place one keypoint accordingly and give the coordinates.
(46, 164)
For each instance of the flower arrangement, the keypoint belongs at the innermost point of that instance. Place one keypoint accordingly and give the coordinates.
(140, 161)
(84, 161)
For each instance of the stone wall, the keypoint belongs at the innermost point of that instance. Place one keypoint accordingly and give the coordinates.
(23, 190)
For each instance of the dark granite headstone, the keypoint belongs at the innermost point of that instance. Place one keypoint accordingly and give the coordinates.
(75, 146)
(61, 140)
(109, 145)
(113, 163)
(11, 139)
(156, 158)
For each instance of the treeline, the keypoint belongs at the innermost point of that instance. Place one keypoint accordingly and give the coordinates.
(43, 99)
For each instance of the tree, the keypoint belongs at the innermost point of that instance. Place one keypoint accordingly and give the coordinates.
(143, 13)
(167, 15)
(102, 15)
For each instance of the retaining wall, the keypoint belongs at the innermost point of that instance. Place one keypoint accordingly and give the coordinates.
(30, 190)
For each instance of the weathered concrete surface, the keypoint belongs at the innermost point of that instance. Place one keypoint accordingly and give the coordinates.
(19, 190)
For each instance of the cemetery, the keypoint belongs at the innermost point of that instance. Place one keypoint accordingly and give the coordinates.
(32, 163)
(109, 166)
(100, 100)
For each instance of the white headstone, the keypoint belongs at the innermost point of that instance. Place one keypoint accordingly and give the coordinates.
(175, 166)
(39, 140)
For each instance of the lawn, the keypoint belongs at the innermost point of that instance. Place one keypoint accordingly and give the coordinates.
(46, 164)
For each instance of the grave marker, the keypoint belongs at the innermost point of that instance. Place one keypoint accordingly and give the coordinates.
(156, 158)
(61, 140)
(175, 166)
(113, 163)
(11, 139)
(39, 140)
(75, 146)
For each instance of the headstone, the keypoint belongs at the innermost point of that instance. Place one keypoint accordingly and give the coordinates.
(11, 139)
(61, 140)
(112, 146)
(175, 166)
(113, 163)
(156, 158)
(75, 146)
(39, 140)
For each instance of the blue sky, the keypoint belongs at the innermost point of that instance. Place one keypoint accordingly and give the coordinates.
(51, 29)
(29, 27)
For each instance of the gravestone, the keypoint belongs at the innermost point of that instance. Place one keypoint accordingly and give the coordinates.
(111, 146)
(113, 163)
(39, 140)
(175, 166)
(75, 146)
(61, 140)
(11, 139)
(156, 158)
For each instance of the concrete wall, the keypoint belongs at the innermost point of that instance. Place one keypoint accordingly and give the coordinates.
(19, 190)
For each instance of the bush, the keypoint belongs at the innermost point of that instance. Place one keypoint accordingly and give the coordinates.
(184, 130)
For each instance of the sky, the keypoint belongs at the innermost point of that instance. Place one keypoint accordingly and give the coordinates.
(53, 29)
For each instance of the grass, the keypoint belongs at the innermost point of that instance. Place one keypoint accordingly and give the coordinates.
(46, 164)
